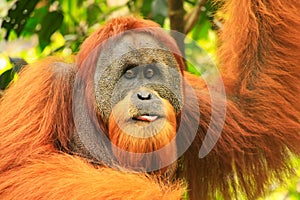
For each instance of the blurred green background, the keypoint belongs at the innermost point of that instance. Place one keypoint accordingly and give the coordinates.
(33, 29)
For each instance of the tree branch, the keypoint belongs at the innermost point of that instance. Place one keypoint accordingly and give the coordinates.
(176, 15)
(191, 19)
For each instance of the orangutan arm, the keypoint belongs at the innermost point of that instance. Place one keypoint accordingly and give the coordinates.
(61, 176)
(260, 67)
(36, 122)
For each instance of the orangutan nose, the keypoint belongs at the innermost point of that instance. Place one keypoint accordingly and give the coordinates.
(144, 95)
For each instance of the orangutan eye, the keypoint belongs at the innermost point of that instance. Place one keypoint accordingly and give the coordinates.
(130, 72)
(149, 72)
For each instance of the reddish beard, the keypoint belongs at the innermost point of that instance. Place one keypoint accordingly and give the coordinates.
(133, 149)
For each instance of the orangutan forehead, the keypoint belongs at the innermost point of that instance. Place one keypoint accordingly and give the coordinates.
(135, 47)
(137, 40)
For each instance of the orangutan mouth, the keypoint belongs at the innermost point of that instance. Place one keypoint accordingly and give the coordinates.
(146, 118)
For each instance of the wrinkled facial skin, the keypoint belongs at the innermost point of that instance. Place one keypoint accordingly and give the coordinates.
(139, 65)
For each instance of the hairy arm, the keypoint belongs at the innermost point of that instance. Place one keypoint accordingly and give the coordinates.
(259, 59)
(60, 176)
(36, 123)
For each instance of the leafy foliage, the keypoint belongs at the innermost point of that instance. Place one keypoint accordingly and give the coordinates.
(18, 15)
(5, 78)
(62, 25)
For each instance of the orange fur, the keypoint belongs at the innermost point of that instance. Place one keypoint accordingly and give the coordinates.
(36, 123)
(59, 176)
(259, 60)
(124, 140)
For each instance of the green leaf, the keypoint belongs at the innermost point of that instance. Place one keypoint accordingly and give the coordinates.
(34, 20)
(50, 23)
(160, 11)
(203, 25)
(18, 15)
(160, 7)
(79, 3)
(5, 78)
(201, 30)
(146, 8)
(93, 11)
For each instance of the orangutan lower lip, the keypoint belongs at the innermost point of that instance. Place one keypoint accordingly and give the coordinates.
(146, 118)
